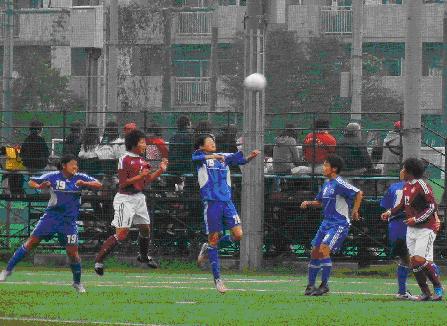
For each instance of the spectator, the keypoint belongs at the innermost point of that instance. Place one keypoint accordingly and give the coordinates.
(156, 148)
(285, 152)
(72, 143)
(107, 148)
(226, 141)
(391, 156)
(180, 149)
(203, 127)
(353, 150)
(316, 151)
(34, 150)
(12, 182)
(90, 142)
(121, 149)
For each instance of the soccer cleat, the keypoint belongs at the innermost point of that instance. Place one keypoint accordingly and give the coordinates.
(220, 286)
(79, 287)
(422, 297)
(406, 296)
(322, 289)
(99, 269)
(149, 261)
(4, 274)
(439, 293)
(310, 289)
(203, 255)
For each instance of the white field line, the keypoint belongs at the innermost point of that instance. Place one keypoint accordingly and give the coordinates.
(77, 322)
(167, 286)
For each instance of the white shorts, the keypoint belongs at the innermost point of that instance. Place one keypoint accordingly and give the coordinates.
(130, 209)
(420, 242)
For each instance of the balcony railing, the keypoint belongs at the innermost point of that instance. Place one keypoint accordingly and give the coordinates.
(191, 90)
(336, 20)
(194, 23)
(194, 3)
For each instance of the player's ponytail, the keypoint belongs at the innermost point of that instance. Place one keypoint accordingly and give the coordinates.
(64, 160)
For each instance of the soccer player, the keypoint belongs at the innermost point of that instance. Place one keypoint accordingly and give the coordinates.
(397, 233)
(215, 191)
(60, 216)
(336, 197)
(422, 220)
(130, 202)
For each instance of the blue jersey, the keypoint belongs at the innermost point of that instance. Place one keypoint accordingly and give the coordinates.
(393, 197)
(65, 195)
(337, 197)
(214, 175)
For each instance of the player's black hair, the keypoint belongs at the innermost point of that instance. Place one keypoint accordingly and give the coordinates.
(200, 141)
(65, 159)
(132, 138)
(415, 167)
(336, 162)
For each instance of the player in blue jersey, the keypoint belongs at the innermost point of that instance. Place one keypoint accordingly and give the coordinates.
(60, 215)
(336, 197)
(218, 208)
(397, 233)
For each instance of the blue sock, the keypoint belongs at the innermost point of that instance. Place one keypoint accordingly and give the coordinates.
(18, 256)
(225, 241)
(402, 275)
(326, 267)
(213, 256)
(76, 270)
(314, 268)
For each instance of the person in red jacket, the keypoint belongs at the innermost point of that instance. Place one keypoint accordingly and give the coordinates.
(156, 149)
(420, 209)
(316, 151)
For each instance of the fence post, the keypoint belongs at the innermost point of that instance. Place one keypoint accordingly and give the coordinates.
(145, 120)
(64, 125)
(444, 195)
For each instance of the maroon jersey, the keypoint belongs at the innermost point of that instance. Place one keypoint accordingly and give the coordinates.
(130, 165)
(418, 202)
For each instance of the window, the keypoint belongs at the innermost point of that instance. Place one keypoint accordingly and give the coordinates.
(432, 59)
(79, 60)
(191, 60)
(390, 54)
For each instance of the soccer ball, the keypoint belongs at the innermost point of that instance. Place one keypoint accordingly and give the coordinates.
(255, 82)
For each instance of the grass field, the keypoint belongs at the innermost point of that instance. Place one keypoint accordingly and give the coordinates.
(44, 297)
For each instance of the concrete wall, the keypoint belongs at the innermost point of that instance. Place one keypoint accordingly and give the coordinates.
(61, 59)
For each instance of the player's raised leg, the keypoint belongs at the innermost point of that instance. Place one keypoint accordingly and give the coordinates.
(19, 254)
(107, 247)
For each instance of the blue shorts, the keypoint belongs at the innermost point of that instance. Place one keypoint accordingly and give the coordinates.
(397, 237)
(50, 225)
(331, 235)
(216, 214)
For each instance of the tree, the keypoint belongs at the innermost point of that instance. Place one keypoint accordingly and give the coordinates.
(38, 86)
(305, 76)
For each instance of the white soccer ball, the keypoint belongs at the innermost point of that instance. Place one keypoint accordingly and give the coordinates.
(255, 82)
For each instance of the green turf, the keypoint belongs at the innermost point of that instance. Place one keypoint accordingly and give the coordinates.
(178, 299)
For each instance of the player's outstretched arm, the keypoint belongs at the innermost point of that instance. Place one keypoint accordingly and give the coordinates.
(34, 185)
(89, 184)
(357, 202)
(253, 154)
(313, 203)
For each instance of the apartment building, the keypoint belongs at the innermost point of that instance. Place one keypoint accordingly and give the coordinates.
(165, 49)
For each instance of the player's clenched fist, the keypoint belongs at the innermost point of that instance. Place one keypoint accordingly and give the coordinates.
(44, 185)
(385, 216)
(164, 164)
(304, 205)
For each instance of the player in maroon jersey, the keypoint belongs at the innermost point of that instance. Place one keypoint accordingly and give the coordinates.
(130, 203)
(420, 209)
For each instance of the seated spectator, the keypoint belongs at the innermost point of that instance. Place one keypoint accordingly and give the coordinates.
(353, 150)
(180, 149)
(72, 143)
(318, 145)
(121, 149)
(285, 152)
(391, 156)
(107, 148)
(88, 157)
(203, 127)
(34, 150)
(226, 141)
(268, 159)
(156, 148)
